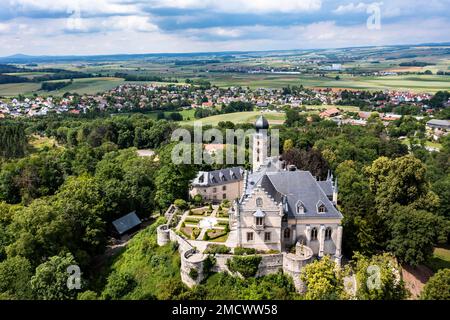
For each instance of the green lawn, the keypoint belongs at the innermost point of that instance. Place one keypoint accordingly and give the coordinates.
(440, 259)
(239, 117)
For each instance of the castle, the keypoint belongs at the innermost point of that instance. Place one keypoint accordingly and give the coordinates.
(276, 208)
(281, 206)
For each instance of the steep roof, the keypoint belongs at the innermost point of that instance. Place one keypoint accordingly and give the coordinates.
(218, 177)
(293, 187)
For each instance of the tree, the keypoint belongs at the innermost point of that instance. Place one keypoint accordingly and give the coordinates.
(323, 281)
(50, 280)
(118, 285)
(379, 278)
(437, 287)
(414, 233)
(357, 204)
(402, 180)
(309, 160)
(288, 145)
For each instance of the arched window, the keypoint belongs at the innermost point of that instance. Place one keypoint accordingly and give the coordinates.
(287, 233)
(259, 202)
(328, 232)
(314, 234)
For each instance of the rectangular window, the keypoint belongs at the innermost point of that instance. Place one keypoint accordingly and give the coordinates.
(214, 197)
(249, 236)
(267, 236)
(224, 196)
(224, 188)
(214, 189)
(259, 221)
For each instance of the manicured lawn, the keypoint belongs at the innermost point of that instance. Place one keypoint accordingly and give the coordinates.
(222, 238)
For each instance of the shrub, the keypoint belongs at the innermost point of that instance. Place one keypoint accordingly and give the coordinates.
(227, 228)
(244, 251)
(208, 264)
(206, 236)
(119, 284)
(246, 266)
(438, 286)
(197, 199)
(181, 204)
(87, 295)
(217, 248)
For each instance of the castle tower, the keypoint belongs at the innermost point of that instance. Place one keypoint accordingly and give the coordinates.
(260, 143)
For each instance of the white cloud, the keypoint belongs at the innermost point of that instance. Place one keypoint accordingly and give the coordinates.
(243, 6)
(352, 8)
(85, 7)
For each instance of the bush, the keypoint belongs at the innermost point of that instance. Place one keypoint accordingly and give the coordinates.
(197, 199)
(246, 266)
(119, 284)
(181, 204)
(208, 264)
(87, 295)
(438, 286)
(193, 273)
(217, 248)
(244, 251)
(206, 236)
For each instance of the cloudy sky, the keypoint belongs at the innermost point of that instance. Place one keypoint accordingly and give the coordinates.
(63, 27)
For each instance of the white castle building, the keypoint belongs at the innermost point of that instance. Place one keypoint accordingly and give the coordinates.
(274, 208)
(280, 207)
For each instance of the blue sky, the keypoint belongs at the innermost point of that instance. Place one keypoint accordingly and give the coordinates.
(62, 27)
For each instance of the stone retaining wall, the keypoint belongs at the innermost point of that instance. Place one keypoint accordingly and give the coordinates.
(291, 264)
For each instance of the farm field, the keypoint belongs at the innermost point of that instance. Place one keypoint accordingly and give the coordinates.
(416, 83)
(14, 89)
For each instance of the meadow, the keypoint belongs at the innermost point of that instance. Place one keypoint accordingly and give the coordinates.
(239, 117)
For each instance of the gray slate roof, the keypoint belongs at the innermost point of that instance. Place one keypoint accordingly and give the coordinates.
(290, 187)
(126, 222)
(218, 177)
(439, 123)
(327, 187)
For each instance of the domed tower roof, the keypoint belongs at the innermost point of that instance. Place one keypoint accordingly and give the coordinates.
(261, 123)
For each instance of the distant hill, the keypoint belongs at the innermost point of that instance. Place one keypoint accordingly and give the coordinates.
(22, 58)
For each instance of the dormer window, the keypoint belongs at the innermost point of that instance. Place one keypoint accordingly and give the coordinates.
(321, 207)
(259, 221)
(259, 202)
(300, 208)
